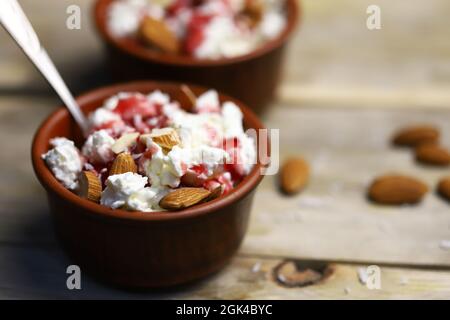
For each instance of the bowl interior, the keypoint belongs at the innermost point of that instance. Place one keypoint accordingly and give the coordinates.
(60, 124)
(134, 48)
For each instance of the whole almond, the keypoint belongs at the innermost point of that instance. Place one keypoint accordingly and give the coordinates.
(433, 154)
(184, 198)
(416, 135)
(253, 12)
(123, 163)
(90, 186)
(444, 188)
(294, 175)
(397, 190)
(156, 33)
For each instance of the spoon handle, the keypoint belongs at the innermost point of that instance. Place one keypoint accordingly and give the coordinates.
(18, 26)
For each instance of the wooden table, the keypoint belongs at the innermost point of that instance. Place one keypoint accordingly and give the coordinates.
(345, 91)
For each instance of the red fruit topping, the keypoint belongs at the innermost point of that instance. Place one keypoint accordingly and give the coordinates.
(195, 32)
(136, 105)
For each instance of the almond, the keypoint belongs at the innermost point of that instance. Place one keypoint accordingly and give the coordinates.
(397, 190)
(166, 138)
(414, 136)
(216, 193)
(190, 95)
(126, 141)
(90, 186)
(433, 154)
(294, 175)
(156, 33)
(123, 163)
(444, 188)
(184, 198)
(253, 12)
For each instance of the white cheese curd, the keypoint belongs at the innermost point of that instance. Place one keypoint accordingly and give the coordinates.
(120, 188)
(157, 97)
(124, 17)
(103, 116)
(232, 120)
(97, 147)
(220, 35)
(272, 25)
(197, 129)
(158, 169)
(247, 153)
(209, 101)
(147, 199)
(211, 158)
(64, 161)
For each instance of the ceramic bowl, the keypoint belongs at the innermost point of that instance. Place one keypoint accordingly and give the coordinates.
(253, 78)
(137, 249)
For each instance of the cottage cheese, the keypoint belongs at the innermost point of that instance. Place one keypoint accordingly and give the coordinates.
(210, 30)
(64, 161)
(97, 148)
(120, 188)
(214, 149)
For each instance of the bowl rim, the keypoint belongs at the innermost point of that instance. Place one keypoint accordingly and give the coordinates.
(51, 184)
(293, 10)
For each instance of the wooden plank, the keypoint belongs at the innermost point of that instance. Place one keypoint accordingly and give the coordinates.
(40, 272)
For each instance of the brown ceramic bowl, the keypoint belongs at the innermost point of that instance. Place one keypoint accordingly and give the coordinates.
(252, 78)
(136, 249)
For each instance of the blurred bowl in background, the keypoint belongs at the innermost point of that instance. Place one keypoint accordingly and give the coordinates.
(253, 78)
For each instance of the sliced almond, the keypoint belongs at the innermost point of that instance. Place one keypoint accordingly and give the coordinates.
(433, 154)
(416, 135)
(90, 186)
(124, 142)
(397, 190)
(184, 198)
(156, 33)
(123, 163)
(166, 138)
(444, 188)
(294, 175)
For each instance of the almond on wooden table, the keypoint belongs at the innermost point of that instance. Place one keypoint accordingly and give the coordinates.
(444, 188)
(294, 175)
(184, 198)
(433, 154)
(156, 33)
(416, 135)
(397, 190)
(90, 186)
(123, 163)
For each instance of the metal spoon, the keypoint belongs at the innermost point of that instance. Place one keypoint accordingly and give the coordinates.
(19, 27)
